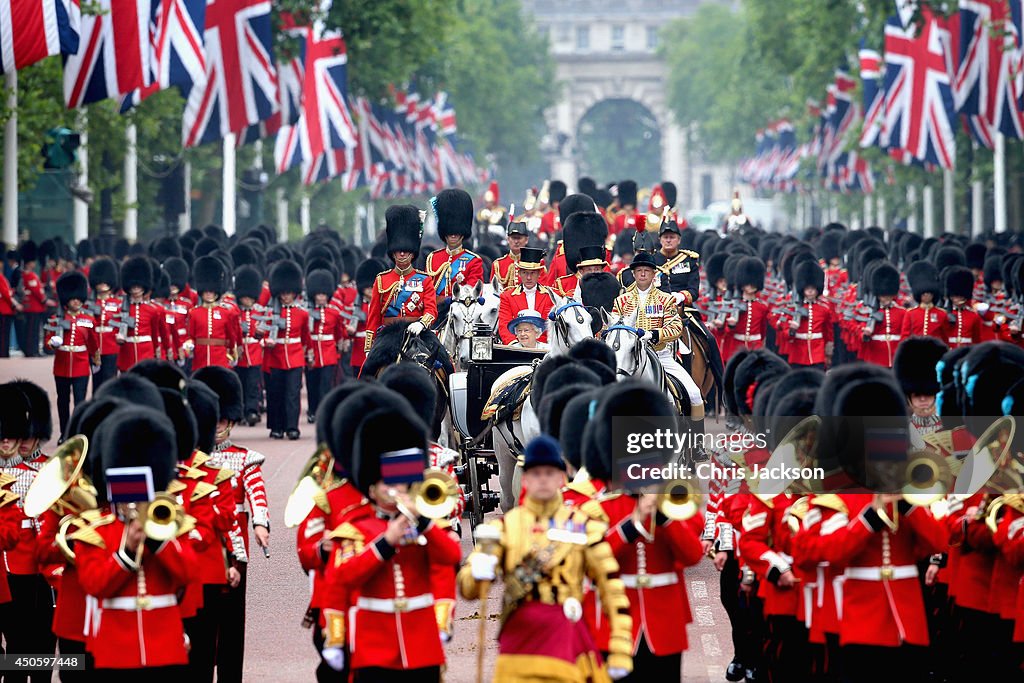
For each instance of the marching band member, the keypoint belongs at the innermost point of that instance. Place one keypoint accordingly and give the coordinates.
(34, 301)
(327, 331)
(453, 265)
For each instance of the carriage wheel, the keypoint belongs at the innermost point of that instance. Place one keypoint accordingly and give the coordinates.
(476, 515)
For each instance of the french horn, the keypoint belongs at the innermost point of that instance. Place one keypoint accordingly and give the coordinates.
(928, 478)
(60, 482)
(311, 491)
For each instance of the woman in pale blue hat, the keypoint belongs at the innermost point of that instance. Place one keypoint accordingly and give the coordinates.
(527, 326)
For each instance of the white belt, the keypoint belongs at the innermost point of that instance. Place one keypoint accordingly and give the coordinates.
(322, 337)
(961, 340)
(396, 605)
(72, 349)
(104, 328)
(812, 335)
(747, 337)
(649, 580)
(885, 337)
(239, 509)
(360, 335)
(906, 571)
(139, 340)
(249, 340)
(289, 340)
(26, 524)
(145, 602)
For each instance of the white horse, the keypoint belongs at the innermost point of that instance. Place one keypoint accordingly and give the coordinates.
(458, 326)
(569, 322)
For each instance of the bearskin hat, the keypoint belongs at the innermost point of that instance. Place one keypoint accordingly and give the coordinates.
(320, 282)
(227, 386)
(15, 413)
(85, 250)
(72, 285)
(137, 436)
(915, 362)
(556, 191)
(40, 422)
(361, 401)
(587, 186)
(574, 203)
(324, 265)
(750, 271)
(959, 282)
(414, 383)
(205, 247)
(380, 432)
(205, 405)
(285, 276)
(627, 193)
(329, 403)
(803, 378)
(757, 367)
(162, 288)
(186, 430)
(593, 349)
(949, 256)
(104, 271)
(244, 255)
(575, 417)
(137, 272)
(714, 267)
(177, 272)
(209, 275)
(809, 274)
(924, 278)
(729, 380)
(367, 272)
(404, 228)
(582, 229)
(974, 255)
(553, 406)
(164, 248)
(629, 398)
(885, 280)
(573, 373)
(830, 245)
(162, 373)
(541, 375)
(132, 389)
(28, 251)
(993, 270)
(599, 290)
(216, 233)
(248, 283)
(453, 209)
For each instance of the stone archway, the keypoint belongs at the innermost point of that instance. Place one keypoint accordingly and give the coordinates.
(619, 138)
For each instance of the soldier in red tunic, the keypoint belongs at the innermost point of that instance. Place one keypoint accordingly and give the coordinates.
(551, 221)
(453, 265)
(366, 273)
(963, 326)
(104, 281)
(139, 324)
(75, 346)
(748, 329)
(33, 301)
(627, 218)
(882, 333)
(178, 306)
(212, 326)
(248, 286)
(284, 354)
(812, 333)
(925, 319)
(327, 330)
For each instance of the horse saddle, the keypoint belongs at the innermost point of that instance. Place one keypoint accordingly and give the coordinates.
(667, 382)
(507, 399)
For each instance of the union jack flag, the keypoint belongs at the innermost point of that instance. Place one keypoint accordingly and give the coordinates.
(988, 78)
(445, 113)
(839, 117)
(919, 109)
(31, 30)
(241, 79)
(874, 97)
(177, 46)
(113, 56)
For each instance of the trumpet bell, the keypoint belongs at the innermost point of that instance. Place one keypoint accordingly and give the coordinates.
(60, 480)
(798, 444)
(981, 463)
(163, 518)
(928, 478)
(680, 500)
(311, 491)
(437, 495)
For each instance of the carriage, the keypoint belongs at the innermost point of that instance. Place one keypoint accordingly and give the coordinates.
(469, 391)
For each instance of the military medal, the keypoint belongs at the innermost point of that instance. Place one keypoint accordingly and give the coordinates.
(572, 609)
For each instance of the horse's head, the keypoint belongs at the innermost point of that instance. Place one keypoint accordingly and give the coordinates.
(569, 322)
(487, 305)
(622, 335)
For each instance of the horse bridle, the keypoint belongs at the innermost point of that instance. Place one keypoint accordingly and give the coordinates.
(637, 349)
(561, 326)
(468, 303)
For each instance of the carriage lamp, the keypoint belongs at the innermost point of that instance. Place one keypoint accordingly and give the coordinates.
(481, 345)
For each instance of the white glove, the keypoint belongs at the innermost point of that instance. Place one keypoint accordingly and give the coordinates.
(56, 342)
(678, 296)
(445, 637)
(482, 566)
(416, 328)
(615, 673)
(981, 307)
(335, 657)
(188, 346)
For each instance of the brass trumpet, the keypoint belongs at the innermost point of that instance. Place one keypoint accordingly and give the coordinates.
(163, 518)
(60, 482)
(437, 494)
(311, 491)
(679, 500)
(928, 478)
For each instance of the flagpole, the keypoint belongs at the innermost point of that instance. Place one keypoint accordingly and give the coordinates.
(282, 216)
(81, 210)
(949, 200)
(304, 214)
(911, 208)
(229, 181)
(977, 207)
(131, 184)
(928, 201)
(185, 219)
(11, 162)
(999, 177)
(869, 217)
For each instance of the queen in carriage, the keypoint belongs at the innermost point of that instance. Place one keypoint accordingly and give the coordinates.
(528, 326)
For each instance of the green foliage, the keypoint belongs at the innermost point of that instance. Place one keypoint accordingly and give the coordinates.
(619, 136)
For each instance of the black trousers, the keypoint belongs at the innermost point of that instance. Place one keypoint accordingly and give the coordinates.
(75, 647)
(977, 635)
(230, 625)
(66, 387)
(648, 666)
(284, 394)
(376, 674)
(26, 622)
(5, 335)
(324, 673)
(786, 649)
(29, 327)
(202, 636)
(729, 594)
(250, 378)
(108, 370)
(883, 664)
(318, 383)
(756, 631)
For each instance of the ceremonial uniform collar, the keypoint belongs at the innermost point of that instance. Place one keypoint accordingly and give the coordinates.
(454, 252)
(13, 461)
(223, 446)
(408, 271)
(543, 509)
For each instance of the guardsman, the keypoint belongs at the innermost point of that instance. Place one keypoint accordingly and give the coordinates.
(963, 324)
(248, 286)
(592, 260)
(882, 333)
(135, 628)
(914, 366)
(926, 319)
(748, 329)
(526, 295)
(992, 299)
(212, 327)
(453, 265)
(284, 351)
(9, 307)
(551, 221)
(492, 213)
(104, 282)
(139, 324)
(33, 300)
(248, 488)
(402, 293)
(379, 556)
(811, 335)
(626, 217)
(504, 268)
(366, 273)
(543, 549)
(72, 337)
(830, 251)
(178, 305)
(327, 330)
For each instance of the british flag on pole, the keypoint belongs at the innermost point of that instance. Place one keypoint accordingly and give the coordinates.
(874, 97)
(919, 108)
(31, 30)
(177, 44)
(113, 55)
(241, 79)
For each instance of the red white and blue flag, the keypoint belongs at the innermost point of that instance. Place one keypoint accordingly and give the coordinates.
(32, 30)
(130, 484)
(874, 97)
(113, 56)
(177, 44)
(241, 78)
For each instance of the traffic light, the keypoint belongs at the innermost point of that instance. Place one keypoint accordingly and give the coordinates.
(59, 148)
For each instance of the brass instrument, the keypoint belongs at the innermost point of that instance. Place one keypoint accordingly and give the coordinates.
(311, 491)
(992, 513)
(60, 482)
(986, 457)
(795, 449)
(71, 524)
(928, 478)
(163, 518)
(680, 500)
(437, 494)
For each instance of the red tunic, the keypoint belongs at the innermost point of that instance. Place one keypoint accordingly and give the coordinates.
(6, 297)
(215, 331)
(251, 350)
(807, 345)
(512, 301)
(142, 338)
(748, 332)
(558, 268)
(400, 295)
(449, 268)
(550, 223)
(625, 219)
(35, 297)
(924, 321)
(103, 311)
(288, 351)
(327, 328)
(825, 515)
(765, 545)
(963, 328)
(78, 344)
(880, 347)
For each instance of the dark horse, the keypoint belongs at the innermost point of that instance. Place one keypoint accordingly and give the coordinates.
(394, 345)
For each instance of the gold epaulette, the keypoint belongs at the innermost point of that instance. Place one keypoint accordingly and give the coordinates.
(8, 498)
(691, 254)
(346, 531)
(202, 490)
(86, 531)
(187, 525)
(224, 475)
(93, 516)
(199, 459)
(767, 500)
(593, 510)
(830, 501)
(584, 488)
(188, 472)
(596, 529)
(6, 479)
(175, 487)
(799, 508)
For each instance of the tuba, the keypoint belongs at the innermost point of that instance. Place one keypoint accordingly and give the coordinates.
(680, 499)
(60, 482)
(311, 491)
